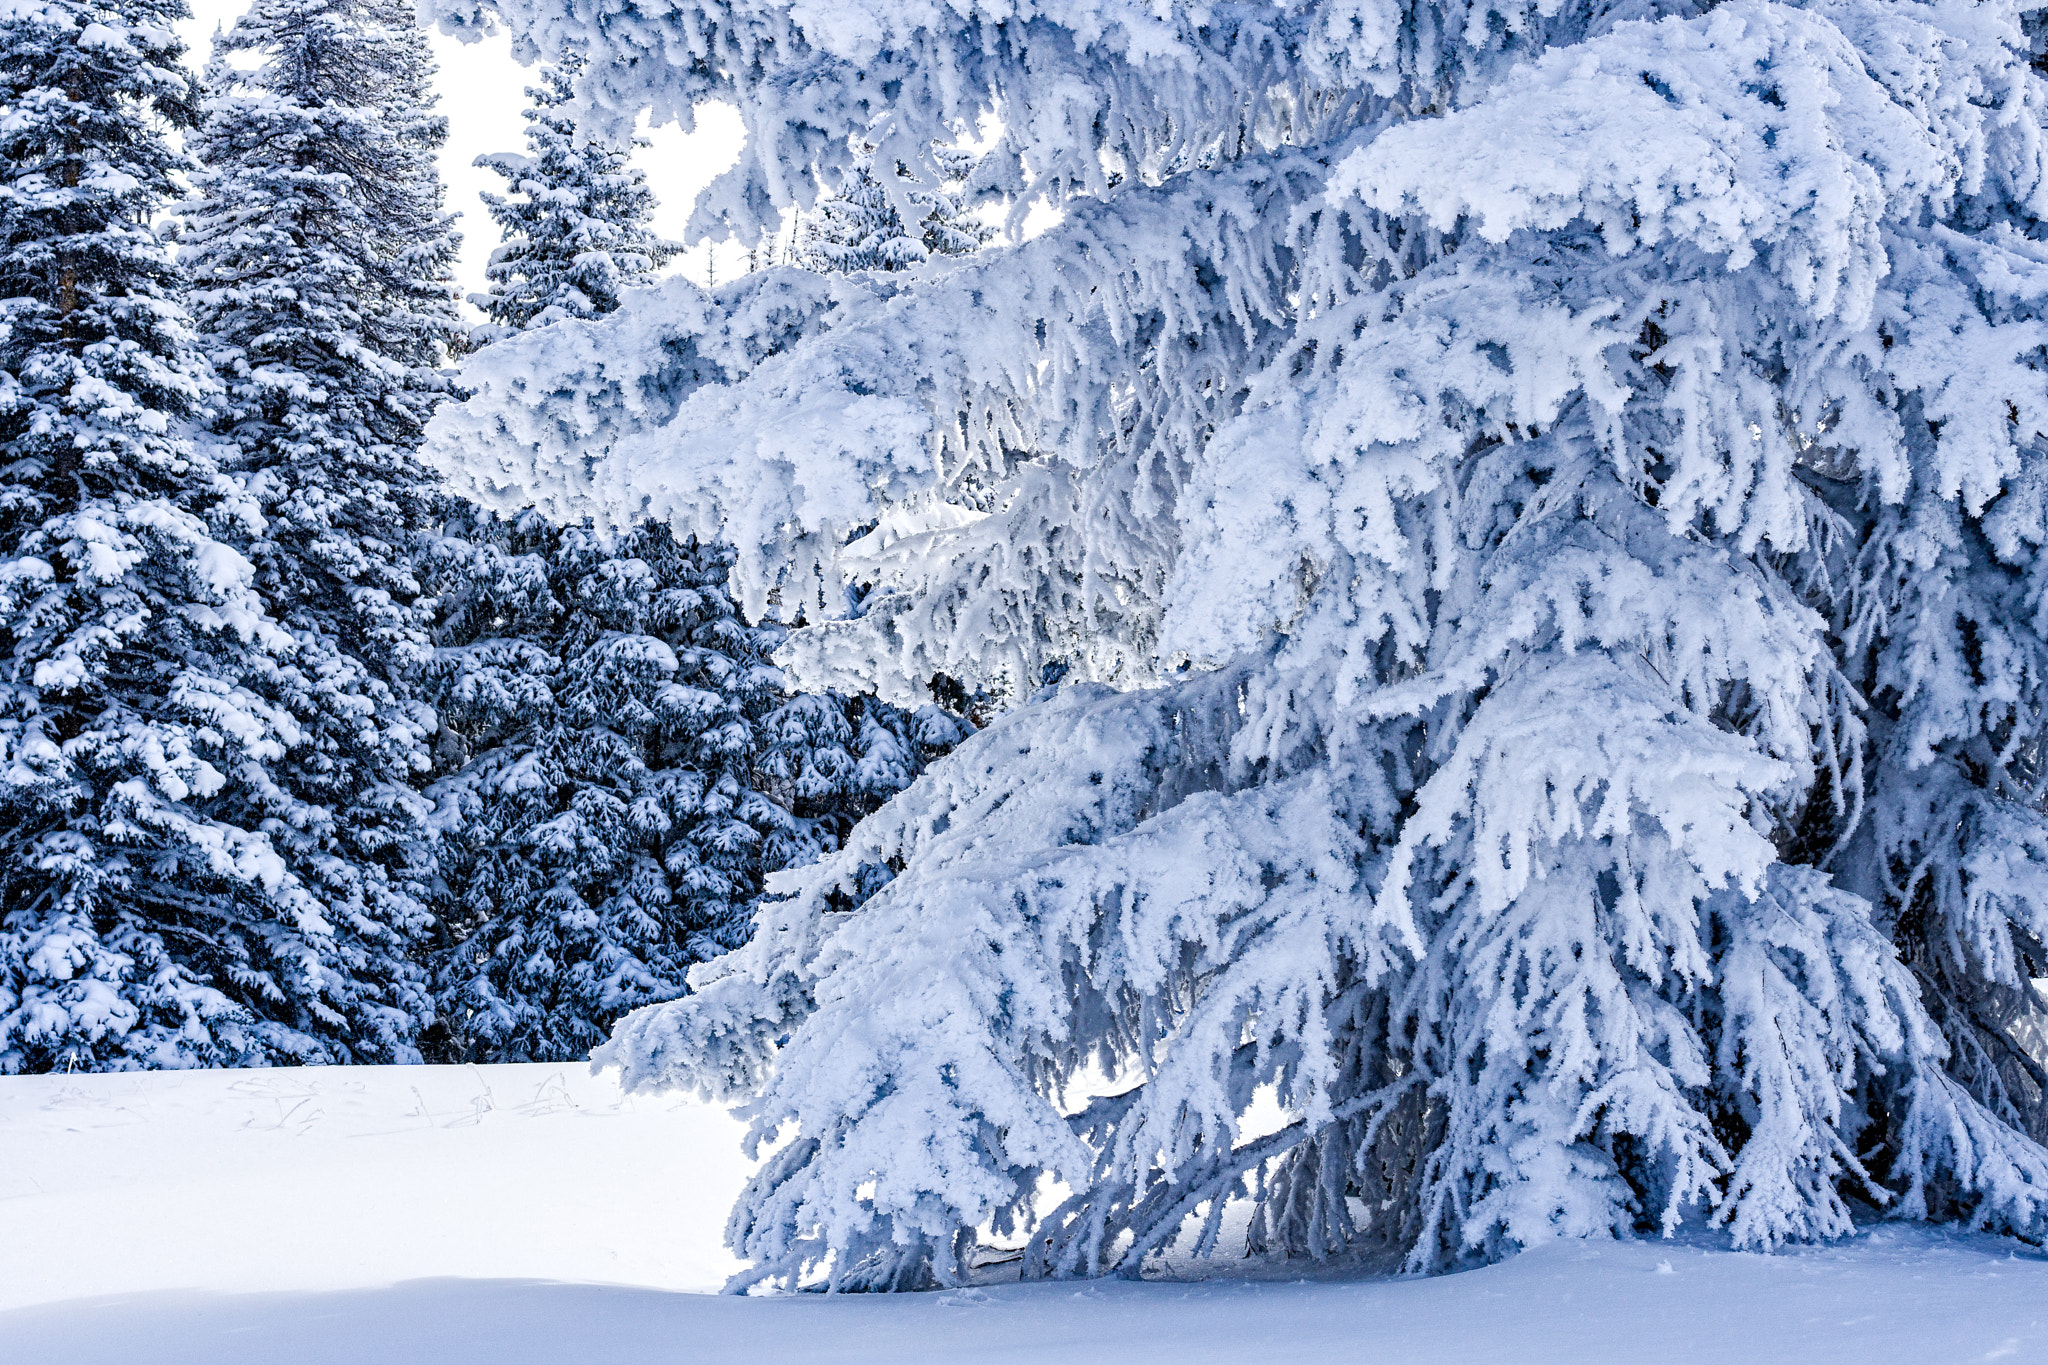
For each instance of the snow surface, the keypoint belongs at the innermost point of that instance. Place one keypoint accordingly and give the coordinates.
(323, 1178)
(506, 1214)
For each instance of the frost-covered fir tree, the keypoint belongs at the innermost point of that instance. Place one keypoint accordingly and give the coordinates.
(860, 226)
(575, 223)
(1542, 507)
(625, 767)
(154, 907)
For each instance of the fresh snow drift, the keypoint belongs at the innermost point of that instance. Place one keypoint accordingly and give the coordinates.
(512, 1214)
(322, 1178)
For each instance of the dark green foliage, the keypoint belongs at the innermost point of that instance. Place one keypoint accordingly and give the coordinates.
(621, 769)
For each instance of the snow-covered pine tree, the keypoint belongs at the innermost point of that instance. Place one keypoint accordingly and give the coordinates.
(1543, 505)
(322, 267)
(575, 223)
(624, 768)
(860, 225)
(152, 910)
(602, 831)
(322, 272)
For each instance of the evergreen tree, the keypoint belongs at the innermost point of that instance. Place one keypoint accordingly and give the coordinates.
(1544, 506)
(152, 912)
(322, 268)
(575, 224)
(860, 225)
(623, 769)
(321, 264)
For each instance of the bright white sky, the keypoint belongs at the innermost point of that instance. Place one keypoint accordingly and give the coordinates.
(482, 92)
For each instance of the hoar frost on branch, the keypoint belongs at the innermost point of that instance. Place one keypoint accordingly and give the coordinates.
(1543, 508)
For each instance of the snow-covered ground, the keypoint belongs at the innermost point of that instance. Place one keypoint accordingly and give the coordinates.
(530, 1213)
